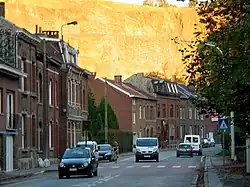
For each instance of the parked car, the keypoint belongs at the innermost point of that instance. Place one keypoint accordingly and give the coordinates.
(211, 142)
(205, 143)
(77, 161)
(105, 152)
(184, 149)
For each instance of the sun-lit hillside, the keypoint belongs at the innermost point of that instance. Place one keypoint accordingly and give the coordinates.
(112, 38)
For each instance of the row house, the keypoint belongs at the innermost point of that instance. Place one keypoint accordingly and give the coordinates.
(135, 110)
(168, 100)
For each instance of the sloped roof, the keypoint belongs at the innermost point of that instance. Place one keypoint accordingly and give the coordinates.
(126, 88)
(185, 91)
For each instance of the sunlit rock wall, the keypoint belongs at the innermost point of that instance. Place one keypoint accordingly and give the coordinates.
(113, 38)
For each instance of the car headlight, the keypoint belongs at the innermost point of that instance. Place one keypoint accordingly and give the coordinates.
(85, 164)
(138, 150)
(61, 165)
(155, 150)
(109, 153)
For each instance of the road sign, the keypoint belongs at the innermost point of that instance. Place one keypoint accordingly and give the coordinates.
(223, 124)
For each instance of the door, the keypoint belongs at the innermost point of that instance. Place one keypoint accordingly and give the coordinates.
(9, 153)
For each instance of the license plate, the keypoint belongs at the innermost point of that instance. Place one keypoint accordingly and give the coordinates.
(100, 156)
(72, 169)
(146, 156)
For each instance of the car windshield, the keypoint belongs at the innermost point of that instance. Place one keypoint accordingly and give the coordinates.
(146, 142)
(76, 153)
(91, 146)
(195, 139)
(184, 146)
(104, 147)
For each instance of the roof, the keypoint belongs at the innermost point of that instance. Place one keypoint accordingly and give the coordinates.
(185, 91)
(125, 88)
(164, 87)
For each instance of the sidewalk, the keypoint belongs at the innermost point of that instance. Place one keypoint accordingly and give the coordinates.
(231, 175)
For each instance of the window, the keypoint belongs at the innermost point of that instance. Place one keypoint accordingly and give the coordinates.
(151, 112)
(74, 132)
(75, 93)
(39, 88)
(144, 112)
(164, 110)
(33, 130)
(83, 99)
(10, 109)
(158, 111)
(171, 111)
(69, 91)
(50, 135)
(195, 113)
(1, 101)
(183, 113)
(181, 110)
(56, 94)
(39, 137)
(133, 117)
(140, 112)
(33, 78)
(202, 117)
(190, 113)
(22, 79)
(23, 131)
(177, 111)
(133, 102)
(50, 92)
(181, 132)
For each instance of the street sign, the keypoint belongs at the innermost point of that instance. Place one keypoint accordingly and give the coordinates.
(223, 124)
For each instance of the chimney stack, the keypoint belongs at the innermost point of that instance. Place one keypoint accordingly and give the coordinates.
(36, 29)
(118, 79)
(2, 9)
(40, 30)
(173, 79)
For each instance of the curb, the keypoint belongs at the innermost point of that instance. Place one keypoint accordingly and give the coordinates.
(195, 181)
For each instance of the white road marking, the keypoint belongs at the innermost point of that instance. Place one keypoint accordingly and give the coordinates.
(115, 167)
(100, 167)
(161, 166)
(126, 159)
(191, 166)
(130, 166)
(146, 166)
(176, 166)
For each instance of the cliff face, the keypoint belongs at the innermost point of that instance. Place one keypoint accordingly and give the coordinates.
(112, 38)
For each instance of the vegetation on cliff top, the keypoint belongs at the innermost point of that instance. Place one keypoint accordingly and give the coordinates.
(222, 78)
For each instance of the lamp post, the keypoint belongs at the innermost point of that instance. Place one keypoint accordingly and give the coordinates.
(69, 23)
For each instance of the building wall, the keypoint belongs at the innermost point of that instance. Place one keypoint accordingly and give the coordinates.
(121, 103)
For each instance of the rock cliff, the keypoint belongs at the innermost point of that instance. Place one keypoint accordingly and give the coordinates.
(113, 38)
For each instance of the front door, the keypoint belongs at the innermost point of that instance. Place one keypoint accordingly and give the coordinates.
(9, 153)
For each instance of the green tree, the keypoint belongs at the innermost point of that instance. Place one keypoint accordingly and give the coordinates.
(112, 119)
(222, 80)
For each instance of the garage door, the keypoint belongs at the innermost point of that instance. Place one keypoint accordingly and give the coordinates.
(9, 153)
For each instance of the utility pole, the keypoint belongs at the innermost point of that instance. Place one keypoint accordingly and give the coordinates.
(106, 111)
(45, 104)
(232, 136)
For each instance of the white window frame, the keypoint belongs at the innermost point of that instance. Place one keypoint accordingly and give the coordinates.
(133, 102)
(55, 93)
(195, 113)
(1, 101)
(74, 131)
(202, 117)
(9, 109)
(75, 93)
(71, 91)
(140, 112)
(50, 135)
(22, 131)
(144, 112)
(181, 132)
(50, 92)
(22, 78)
(133, 118)
(190, 113)
(39, 139)
(181, 117)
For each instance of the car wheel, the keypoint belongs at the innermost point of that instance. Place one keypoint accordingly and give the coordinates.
(90, 173)
(136, 159)
(67, 176)
(157, 158)
(96, 172)
(60, 176)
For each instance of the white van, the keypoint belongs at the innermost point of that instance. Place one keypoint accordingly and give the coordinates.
(195, 141)
(90, 144)
(146, 149)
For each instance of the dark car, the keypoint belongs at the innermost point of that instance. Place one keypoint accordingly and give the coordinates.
(77, 161)
(105, 152)
(211, 142)
(204, 143)
(184, 149)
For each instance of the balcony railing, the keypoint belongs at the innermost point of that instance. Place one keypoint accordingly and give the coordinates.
(11, 121)
(76, 111)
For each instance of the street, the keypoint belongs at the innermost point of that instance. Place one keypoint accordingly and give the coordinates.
(169, 171)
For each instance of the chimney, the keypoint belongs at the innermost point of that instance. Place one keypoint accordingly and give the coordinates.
(2, 9)
(40, 30)
(140, 74)
(173, 79)
(36, 29)
(118, 79)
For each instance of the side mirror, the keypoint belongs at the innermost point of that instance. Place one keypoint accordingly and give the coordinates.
(134, 146)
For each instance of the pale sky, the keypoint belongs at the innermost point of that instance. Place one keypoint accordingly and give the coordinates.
(136, 2)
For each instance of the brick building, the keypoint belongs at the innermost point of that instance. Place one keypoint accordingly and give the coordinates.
(168, 101)
(135, 110)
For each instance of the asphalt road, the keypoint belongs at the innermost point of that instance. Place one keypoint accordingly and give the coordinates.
(169, 171)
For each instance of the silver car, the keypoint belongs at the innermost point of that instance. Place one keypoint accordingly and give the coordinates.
(184, 149)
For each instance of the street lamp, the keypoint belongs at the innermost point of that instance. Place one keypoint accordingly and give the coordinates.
(215, 46)
(69, 23)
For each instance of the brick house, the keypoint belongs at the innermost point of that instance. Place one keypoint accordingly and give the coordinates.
(191, 122)
(135, 110)
(10, 76)
(168, 101)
